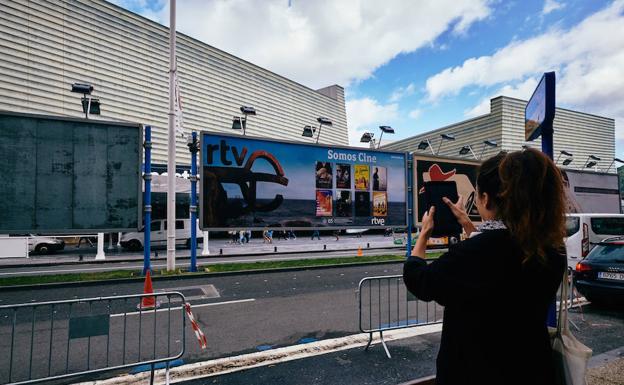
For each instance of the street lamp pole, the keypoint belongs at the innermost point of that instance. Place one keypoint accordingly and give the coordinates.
(171, 143)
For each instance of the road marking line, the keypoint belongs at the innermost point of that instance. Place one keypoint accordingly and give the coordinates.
(269, 357)
(180, 308)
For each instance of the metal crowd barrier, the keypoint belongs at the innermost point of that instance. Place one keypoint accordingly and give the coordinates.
(385, 304)
(56, 340)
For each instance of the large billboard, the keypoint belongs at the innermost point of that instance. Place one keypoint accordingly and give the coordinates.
(540, 109)
(462, 172)
(258, 183)
(592, 192)
(64, 175)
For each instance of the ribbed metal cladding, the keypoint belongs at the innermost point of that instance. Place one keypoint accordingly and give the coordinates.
(45, 46)
(576, 132)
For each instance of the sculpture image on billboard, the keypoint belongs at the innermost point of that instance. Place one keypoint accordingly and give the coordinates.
(462, 172)
(257, 183)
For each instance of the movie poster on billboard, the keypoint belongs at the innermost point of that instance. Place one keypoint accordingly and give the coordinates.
(462, 172)
(344, 204)
(324, 175)
(253, 183)
(343, 176)
(362, 177)
(380, 204)
(380, 181)
(324, 203)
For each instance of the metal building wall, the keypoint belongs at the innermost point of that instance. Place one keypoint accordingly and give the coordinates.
(47, 45)
(576, 132)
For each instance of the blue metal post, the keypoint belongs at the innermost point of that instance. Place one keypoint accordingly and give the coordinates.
(193, 148)
(147, 200)
(410, 202)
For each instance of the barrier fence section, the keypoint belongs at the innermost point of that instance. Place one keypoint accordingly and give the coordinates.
(385, 304)
(57, 340)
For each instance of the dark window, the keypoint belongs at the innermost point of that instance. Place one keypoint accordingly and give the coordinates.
(179, 225)
(607, 253)
(573, 224)
(155, 226)
(608, 226)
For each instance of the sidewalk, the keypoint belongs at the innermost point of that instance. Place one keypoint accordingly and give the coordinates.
(218, 247)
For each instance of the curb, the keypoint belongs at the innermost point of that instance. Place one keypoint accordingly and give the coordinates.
(184, 257)
(57, 285)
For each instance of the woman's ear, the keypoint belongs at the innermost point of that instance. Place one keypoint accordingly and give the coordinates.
(485, 201)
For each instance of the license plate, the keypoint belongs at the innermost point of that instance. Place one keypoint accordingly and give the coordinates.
(608, 275)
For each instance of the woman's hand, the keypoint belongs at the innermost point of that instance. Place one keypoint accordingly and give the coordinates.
(427, 222)
(460, 213)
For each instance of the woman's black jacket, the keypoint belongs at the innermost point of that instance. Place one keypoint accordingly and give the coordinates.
(495, 310)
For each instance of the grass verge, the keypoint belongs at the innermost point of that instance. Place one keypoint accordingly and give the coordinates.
(214, 268)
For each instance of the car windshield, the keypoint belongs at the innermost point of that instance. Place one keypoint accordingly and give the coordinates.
(607, 253)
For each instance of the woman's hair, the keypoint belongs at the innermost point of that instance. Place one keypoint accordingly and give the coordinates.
(527, 191)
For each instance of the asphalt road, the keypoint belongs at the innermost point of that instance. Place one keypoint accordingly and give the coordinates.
(238, 314)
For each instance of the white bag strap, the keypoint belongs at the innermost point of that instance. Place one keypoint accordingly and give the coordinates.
(562, 321)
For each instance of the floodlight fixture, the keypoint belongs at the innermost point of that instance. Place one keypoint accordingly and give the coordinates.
(82, 88)
(594, 157)
(444, 137)
(486, 143)
(322, 122)
(424, 144)
(386, 129)
(308, 131)
(613, 161)
(467, 149)
(90, 106)
(567, 161)
(563, 152)
(591, 161)
(248, 110)
(367, 137)
(239, 123)
(590, 164)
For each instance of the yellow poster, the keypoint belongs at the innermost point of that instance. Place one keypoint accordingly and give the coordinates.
(362, 177)
(380, 204)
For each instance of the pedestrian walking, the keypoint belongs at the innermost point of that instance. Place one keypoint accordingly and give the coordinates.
(270, 236)
(316, 234)
(291, 235)
(247, 236)
(337, 235)
(516, 256)
(265, 235)
(241, 236)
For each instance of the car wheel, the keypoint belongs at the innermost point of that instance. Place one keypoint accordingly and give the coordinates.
(135, 245)
(42, 248)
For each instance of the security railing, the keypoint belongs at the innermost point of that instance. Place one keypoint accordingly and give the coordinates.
(56, 340)
(385, 304)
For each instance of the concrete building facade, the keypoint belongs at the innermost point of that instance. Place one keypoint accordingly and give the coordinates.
(576, 132)
(46, 45)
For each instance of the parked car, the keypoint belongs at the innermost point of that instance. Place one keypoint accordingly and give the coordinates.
(134, 240)
(41, 244)
(600, 276)
(586, 230)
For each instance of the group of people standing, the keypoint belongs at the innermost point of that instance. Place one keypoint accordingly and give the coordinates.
(240, 237)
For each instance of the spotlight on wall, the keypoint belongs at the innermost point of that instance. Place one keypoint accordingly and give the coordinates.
(89, 104)
(613, 161)
(308, 131)
(240, 122)
(567, 161)
(322, 122)
(367, 137)
(487, 143)
(248, 110)
(444, 137)
(591, 161)
(566, 153)
(467, 149)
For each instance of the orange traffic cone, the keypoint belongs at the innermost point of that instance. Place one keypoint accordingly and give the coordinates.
(148, 302)
(359, 253)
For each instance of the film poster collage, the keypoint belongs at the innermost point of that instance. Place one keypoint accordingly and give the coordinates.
(353, 185)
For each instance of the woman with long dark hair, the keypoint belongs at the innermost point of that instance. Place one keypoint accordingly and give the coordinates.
(497, 285)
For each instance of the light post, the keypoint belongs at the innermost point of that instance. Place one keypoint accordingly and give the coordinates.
(613, 161)
(89, 104)
(426, 144)
(193, 146)
(239, 122)
(387, 130)
(562, 152)
(591, 161)
(322, 122)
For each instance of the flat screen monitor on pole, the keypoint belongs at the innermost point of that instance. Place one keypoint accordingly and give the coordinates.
(250, 183)
(66, 175)
(540, 110)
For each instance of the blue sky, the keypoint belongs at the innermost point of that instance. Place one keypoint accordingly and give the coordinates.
(421, 65)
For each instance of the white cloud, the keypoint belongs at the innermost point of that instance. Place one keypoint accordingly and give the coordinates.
(401, 92)
(323, 42)
(414, 114)
(521, 90)
(588, 59)
(550, 6)
(367, 114)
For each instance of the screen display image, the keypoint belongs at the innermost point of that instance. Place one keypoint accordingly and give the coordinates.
(540, 109)
(255, 183)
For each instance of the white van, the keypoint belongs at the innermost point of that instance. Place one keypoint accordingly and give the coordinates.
(134, 240)
(585, 230)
